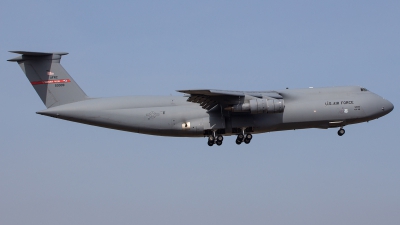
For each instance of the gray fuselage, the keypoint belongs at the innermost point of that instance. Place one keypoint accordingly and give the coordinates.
(175, 116)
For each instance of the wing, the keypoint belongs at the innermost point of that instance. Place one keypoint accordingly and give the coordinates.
(209, 98)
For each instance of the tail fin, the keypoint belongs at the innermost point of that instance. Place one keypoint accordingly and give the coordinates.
(50, 80)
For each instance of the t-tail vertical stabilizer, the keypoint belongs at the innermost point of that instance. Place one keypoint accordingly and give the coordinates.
(51, 81)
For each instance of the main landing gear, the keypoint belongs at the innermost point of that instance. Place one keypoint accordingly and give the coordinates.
(341, 131)
(215, 139)
(246, 138)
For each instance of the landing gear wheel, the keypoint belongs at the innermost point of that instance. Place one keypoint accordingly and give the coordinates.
(220, 138)
(239, 139)
(211, 139)
(219, 143)
(341, 132)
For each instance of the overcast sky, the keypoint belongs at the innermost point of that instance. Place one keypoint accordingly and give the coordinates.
(58, 172)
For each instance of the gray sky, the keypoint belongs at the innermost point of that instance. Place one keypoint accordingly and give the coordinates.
(58, 172)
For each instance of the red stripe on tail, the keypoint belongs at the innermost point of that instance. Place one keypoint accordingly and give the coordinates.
(51, 81)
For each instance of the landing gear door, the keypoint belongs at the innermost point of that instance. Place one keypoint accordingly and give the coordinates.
(214, 122)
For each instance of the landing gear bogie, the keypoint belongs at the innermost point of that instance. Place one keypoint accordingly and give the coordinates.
(246, 138)
(215, 139)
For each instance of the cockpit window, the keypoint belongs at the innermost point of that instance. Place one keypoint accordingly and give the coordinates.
(364, 89)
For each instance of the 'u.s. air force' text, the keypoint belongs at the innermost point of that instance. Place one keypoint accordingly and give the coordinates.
(339, 103)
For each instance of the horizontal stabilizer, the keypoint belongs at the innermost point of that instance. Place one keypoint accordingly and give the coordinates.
(39, 53)
(31, 55)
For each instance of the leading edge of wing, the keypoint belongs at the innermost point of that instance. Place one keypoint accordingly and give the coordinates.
(211, 92)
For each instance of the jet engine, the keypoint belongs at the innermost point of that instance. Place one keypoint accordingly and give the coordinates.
(258, 105)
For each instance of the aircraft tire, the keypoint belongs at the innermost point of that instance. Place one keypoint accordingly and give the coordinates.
(238, 141)
(341, 132)
(219, 143)
(249, 136)
(210, 143)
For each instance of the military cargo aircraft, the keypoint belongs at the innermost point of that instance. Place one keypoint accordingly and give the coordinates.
(200, 113)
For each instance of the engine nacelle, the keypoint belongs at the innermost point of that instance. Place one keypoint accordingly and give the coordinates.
(258, 105)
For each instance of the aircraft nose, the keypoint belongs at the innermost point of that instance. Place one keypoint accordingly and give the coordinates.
(377, 106)
(387, 106)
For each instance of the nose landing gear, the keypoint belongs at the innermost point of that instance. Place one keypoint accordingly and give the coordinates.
(341, 131)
